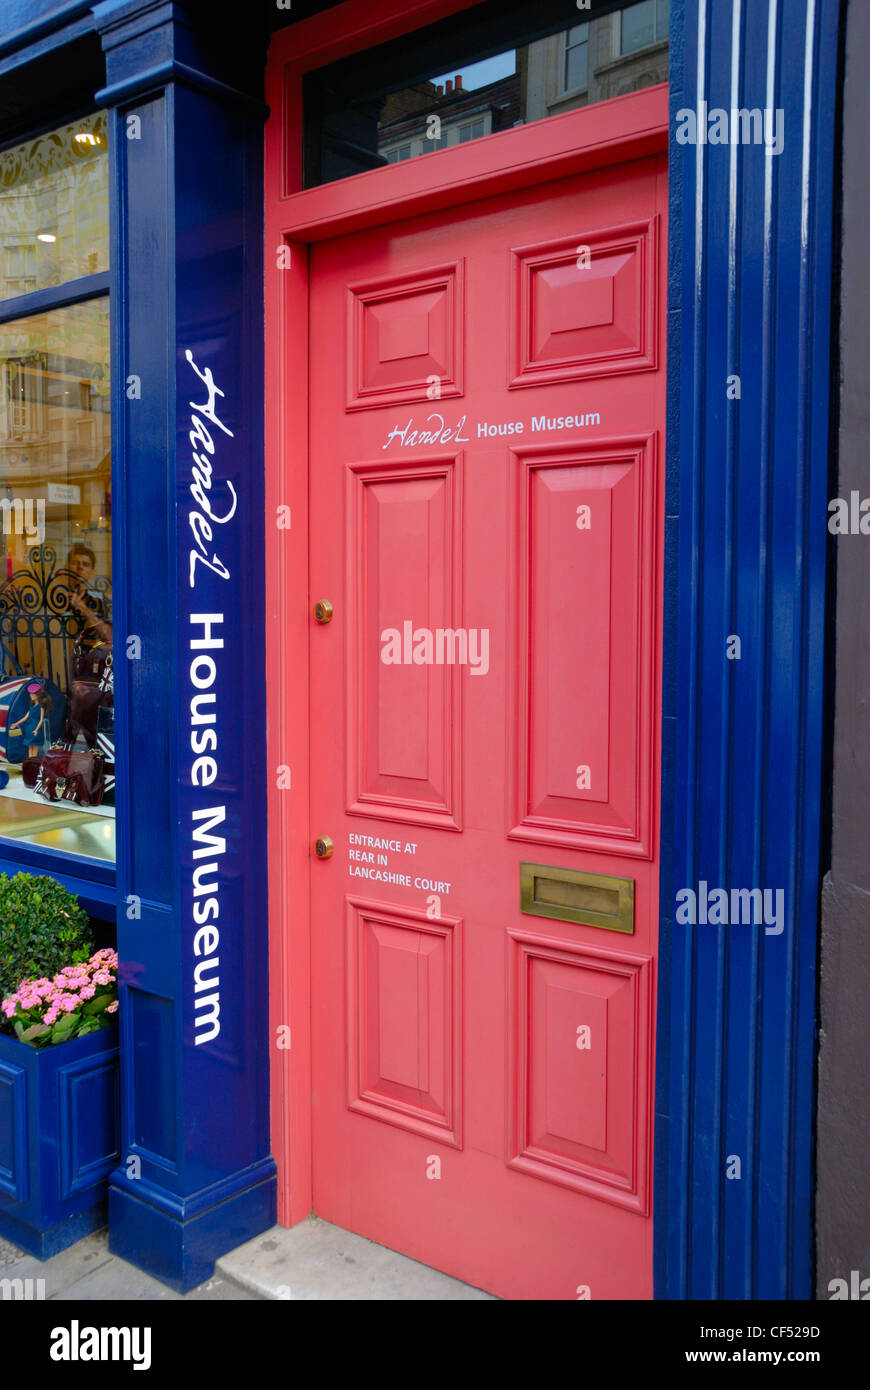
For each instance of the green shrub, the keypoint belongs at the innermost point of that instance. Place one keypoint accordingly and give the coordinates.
(42, 929)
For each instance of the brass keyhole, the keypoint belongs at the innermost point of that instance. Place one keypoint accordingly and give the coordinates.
(323, 611)
(323, 847)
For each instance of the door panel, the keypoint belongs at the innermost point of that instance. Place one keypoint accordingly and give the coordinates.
(487, 406)
(582, 627)
(404, 759)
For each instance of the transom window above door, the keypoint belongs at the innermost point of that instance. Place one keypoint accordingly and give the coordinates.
(487, 70)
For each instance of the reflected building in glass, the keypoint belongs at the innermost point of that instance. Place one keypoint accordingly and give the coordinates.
(365, 122)
(578, 66)
(56, 703)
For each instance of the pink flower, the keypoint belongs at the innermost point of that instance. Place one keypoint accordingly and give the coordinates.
(102, 977)
(51, 1016)
(88, 992)
(113, 1008)
(69, 1003)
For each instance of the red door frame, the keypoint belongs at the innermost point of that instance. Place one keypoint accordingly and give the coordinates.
(625, 128)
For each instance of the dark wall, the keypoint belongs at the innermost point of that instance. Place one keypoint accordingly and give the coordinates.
(842, 1205)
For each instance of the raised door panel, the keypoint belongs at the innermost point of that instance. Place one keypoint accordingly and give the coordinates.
(579, 1026)
(584, 306)
(403, 597)
(582, 646)
(404, 1019)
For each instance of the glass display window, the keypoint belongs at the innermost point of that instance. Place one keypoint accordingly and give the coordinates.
(54, 208)
(56, 649)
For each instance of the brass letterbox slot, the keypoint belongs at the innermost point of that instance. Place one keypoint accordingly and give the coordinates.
(595, 900)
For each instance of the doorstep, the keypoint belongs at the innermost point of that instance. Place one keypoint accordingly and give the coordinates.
(315, 1260)
(311, 1261)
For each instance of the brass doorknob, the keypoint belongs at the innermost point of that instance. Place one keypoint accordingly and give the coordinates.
(323, 847)
(323, 611)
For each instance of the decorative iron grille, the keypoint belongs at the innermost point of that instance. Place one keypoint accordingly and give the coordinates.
(38, 625)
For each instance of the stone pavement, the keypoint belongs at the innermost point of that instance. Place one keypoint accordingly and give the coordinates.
(312, 1261)
(87, 1271)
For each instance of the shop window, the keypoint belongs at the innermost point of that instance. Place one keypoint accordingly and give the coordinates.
(574, 71)
(56, 700)
(23, 400)
(472, 131)
(642, 25)
(20, 276)
(516, 63)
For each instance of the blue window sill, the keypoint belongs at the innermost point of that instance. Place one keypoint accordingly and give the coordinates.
(92, 882)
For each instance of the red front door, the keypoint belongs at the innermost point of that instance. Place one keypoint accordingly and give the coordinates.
(487, 411)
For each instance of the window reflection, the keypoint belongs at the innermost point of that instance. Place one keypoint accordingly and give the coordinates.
(54, 208)
(56, 696)
(576, 58)
(581, 64)
(642, 25)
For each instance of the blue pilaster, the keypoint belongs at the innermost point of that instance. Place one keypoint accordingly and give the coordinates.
(196, 1176)
(751, 252)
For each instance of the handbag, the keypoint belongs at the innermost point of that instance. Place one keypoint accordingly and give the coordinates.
(91, 689)
(92, 663)
(67, 774)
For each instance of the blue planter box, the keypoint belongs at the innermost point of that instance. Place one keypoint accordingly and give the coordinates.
(59, 1139)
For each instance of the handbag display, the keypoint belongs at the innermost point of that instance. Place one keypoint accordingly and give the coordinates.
(92, 664)
(85, 702)
(67, 774)
(65, 770)
(91, 689)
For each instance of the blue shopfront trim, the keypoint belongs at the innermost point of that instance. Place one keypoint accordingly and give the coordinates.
(749, 294)
(36, 26)
(186, 208)
(59, 1139)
